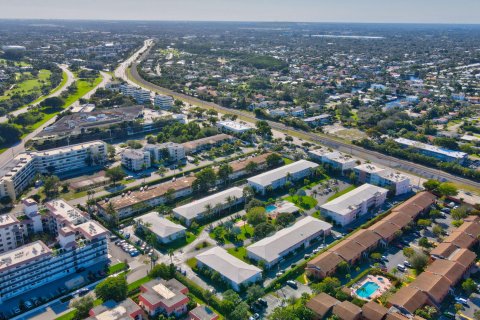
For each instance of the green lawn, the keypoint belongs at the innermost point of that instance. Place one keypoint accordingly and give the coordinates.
(338, 194)
(136, 284)
(246, 233)
(287, 161)
(30, 85)
(192, 262)
(116, 268)
(239, 252)
(67, 316)
(83, 88)
(304, 202)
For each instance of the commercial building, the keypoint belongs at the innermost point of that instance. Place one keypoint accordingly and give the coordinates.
(136, 160)
(164, 297)
(163, 101)
(136, 201)
(165, 230)
(170, 152)
(209, 206)
(19, 173)
(336, 160)
(302, 234)
(434, 151)
(202, 144)
(277, 178)
(123, 310)
(233, 126)
(233, 270)
(80, 243)
(373, 174)
(141, 96)
(348, 207)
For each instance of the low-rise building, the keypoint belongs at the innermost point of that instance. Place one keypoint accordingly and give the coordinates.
(348, 207)
(164, 297)
(165, 230)
(163, 101)
(136, 160)
(434, 151)
(373, 174)
(278, 177)
(170, 152)
(233, 270)
(202, 144)
(318, 120)
(149, 197)
(302, 234)
(336, 160)
(209, 206)
(123, 310)
(19, 173)
(233, 126)
(202, 313)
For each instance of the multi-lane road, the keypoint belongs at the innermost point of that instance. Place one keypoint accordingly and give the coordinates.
(416, 169)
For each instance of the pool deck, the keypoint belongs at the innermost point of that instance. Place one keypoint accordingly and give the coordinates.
(383, 285)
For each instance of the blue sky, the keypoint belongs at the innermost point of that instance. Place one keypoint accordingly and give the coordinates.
(424, 11)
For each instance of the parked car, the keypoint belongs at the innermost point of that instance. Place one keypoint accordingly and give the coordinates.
(462, 301)
(28, 304)
(292, 284)
(262, 302)
(384, 258)
(401, 267)
(407, 264)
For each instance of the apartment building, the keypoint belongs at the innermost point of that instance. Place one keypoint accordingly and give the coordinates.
(209, 206)
(373, 174)
(11, 233)
(123, 310)
(163, 101)
(80, 243)
(136, 160)
(164, 297)
(136, 201)
(434, 151)
(302, 234)
(169, 151)
(277, 178)
(165, 230)
(233, 126)
(336, 160)
(141, 96)
(348, 207)
(19, 173)
(206, 143)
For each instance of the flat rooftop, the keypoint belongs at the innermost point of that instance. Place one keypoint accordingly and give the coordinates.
(274, 246)
(335, 156)
(227, 265)
(193, 209)
(23, 255)
(344, 204)
(268, 177)
(234, 125)
(62, 210)
(6, 220)
(429, 147)
(161, 226)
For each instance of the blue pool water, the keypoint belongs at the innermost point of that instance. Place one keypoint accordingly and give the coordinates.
(270, 208)
(367, 289)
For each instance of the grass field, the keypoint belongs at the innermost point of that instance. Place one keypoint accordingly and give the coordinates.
(340, 193)
(29, 86)
(305, 202)
(83, 88)
(239, 252)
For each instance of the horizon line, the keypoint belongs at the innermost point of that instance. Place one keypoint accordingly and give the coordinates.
(241, 21)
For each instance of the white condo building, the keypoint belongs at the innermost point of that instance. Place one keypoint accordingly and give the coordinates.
(163, 102)
(373, 174)
(136, 160)
(233, 126)
(348, 207)
(337, 160)
(277, 178)
(170, 151)
(18, 174)
(80, 243)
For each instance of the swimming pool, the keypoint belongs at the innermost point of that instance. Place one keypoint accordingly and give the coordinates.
(367, 289)
(270, 208)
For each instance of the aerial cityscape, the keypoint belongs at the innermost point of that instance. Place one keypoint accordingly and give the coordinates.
(201, 168)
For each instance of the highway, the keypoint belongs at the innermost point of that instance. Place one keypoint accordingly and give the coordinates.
(357, 151)
(70, 79)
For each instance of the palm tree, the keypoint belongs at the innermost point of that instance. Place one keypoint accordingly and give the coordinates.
(208, 209)
(229, 201)
(170, 254)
